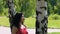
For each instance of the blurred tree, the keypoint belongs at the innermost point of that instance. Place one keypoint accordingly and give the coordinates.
(1, 7)
(28, 7)
(53, 3)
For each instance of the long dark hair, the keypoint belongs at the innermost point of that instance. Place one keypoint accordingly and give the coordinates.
(17, 19)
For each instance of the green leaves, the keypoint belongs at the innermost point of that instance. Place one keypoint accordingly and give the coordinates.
(54, 7)
(28, 7)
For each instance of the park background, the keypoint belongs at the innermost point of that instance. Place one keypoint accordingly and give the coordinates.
(28, 7)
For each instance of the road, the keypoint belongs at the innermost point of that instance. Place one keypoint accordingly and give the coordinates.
(6, 30)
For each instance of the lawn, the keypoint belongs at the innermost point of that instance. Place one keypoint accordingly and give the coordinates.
(54, 23)
(30, 22)
(54, 33)
(4, 21)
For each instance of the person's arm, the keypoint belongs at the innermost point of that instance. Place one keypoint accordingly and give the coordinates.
(14, 30)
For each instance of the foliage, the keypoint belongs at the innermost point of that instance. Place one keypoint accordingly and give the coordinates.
(26, 6)
(54, 7)
(54, 17)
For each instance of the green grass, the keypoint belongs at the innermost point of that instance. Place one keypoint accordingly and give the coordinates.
(54, 33)
(30, 22)
(4, 21)
(54, 23)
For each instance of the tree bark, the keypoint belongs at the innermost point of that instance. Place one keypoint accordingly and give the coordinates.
(11, 11)
(41, 17)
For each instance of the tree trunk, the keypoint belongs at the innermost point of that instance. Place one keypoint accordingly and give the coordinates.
(11, 11)
(41, 17)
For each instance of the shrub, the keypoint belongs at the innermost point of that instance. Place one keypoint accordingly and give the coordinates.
(54, 17)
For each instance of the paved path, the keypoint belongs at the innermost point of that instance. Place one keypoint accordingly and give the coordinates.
(6, 30)
(53, 30)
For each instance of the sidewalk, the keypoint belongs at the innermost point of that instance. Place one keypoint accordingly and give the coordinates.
(6, 30)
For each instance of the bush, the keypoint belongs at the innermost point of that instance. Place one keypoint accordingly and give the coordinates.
(54, 17)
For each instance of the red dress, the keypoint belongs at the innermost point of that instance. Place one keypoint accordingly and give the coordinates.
(22, 30)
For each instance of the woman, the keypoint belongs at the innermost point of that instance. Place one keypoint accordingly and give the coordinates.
(18, 24)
